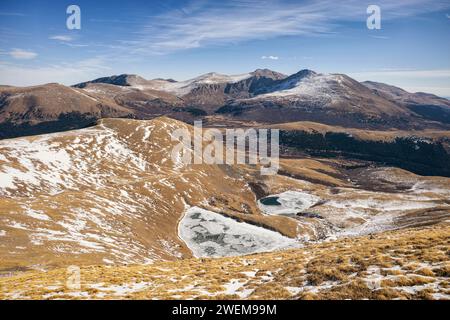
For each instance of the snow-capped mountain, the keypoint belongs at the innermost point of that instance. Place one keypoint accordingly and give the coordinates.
(262, 96)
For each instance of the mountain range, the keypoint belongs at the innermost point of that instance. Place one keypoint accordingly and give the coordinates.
(262, 96)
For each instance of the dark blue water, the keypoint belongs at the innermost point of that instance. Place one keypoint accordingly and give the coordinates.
(271, 201)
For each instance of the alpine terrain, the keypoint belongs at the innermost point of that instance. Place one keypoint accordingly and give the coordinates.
(90, 176)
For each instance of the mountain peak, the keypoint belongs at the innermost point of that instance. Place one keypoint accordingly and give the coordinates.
(125, 80)
(267, 73)
(305, 73)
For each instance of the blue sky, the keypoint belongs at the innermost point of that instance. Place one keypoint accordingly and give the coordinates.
(183, 39)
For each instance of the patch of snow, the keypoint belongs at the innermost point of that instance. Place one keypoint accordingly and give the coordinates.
(234, 287)
(171, 248)
(124, 289)
(313, 86)
(7, 178)
(294, 290)
(147, 133)
(39, 160)
(323, 286)
(18, 225)
(381, 205)
(74, 294)
(250, 274)
(84, 95)
(39, 215)
(416, 289)
(441, 296)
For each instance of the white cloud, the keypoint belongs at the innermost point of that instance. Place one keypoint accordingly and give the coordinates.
(61, 38)
(65, 73)
(448, 16)
(20, 54)
(270, 57)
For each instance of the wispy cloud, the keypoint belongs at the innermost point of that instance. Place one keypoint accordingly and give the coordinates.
(21, 54)
(75, 45)
(61, 38)
(68, 41)
(12, 14)
(114, 21)
(65, 73)
(380, 37)
(270, 57)
(204, 23)
(448, 16)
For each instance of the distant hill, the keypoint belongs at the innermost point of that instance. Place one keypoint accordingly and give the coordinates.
(52, 107)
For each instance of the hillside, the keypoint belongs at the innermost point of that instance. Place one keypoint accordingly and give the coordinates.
(106, 194)
(51, 108)
(111, 194)
(407, 264)
(427, 105)
(424, 152)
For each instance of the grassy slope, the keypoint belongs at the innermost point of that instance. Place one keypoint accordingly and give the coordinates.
(406, 264)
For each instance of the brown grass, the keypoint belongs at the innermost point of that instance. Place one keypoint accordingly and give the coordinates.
(331, 270)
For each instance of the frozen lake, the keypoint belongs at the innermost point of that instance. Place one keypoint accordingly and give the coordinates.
(287, 203)
(209, 234)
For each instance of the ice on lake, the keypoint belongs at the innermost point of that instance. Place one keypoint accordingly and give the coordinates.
(209, 234)
(287, 203)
